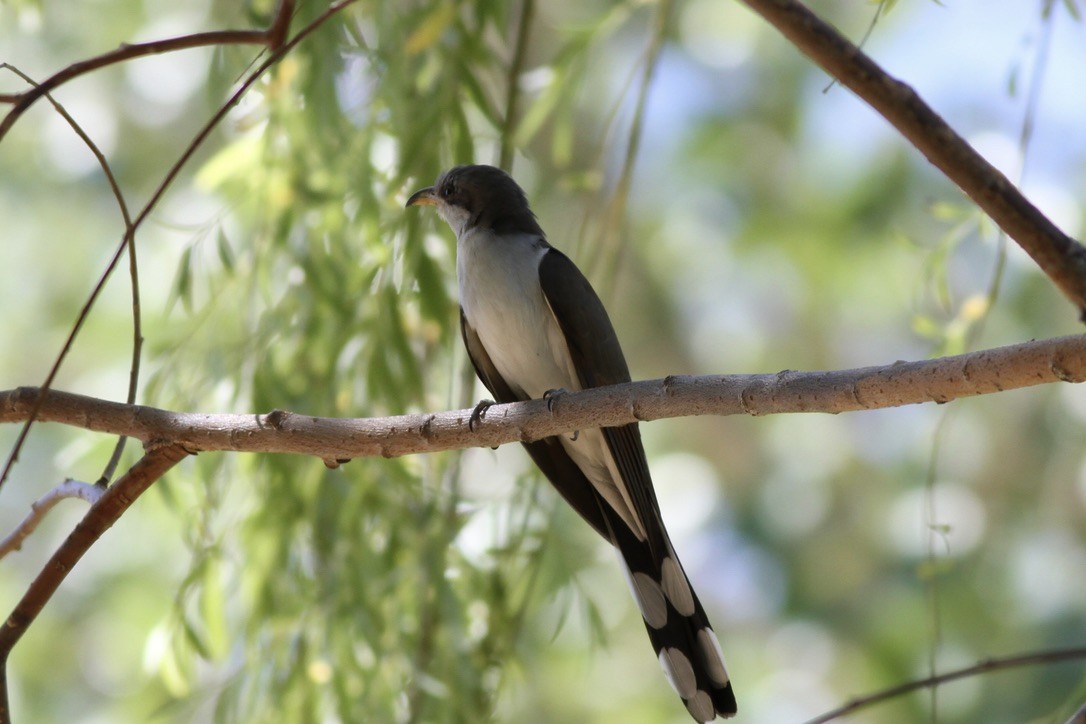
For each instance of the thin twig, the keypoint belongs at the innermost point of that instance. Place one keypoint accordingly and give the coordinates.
(271, 37)
(1025, 137)
(1050, 656)
(20, 440)
(22, 101)
(129, 235)
(616, 210)
(38, 509)
(103, 514)
(137, 350)
(1060, 257)
(512, 84)
(879, 10)
(1079, 717)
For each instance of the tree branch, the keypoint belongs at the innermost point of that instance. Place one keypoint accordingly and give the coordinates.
(272, 37)
(103, 514)
(38, 509)
(1060, 257)
(902, 383)
(1038, 657)
(129, 242)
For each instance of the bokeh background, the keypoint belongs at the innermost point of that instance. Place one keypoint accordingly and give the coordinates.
(771, 221)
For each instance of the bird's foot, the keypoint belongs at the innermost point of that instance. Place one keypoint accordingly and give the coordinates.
(478, 413)
(552, 397)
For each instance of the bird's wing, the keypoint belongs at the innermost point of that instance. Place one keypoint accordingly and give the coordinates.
(598, 359)
(548, 454)
(674, 618)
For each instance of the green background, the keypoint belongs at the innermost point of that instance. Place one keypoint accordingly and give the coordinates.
(772, 222)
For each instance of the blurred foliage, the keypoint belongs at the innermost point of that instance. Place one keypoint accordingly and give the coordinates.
(770, 225)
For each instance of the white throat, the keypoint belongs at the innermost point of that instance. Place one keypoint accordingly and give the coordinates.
(455, 216)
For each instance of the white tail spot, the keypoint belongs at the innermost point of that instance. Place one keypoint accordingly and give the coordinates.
(676, 587)
(650, 599)
(679, 672)
(647, 593)
(714, 657)
(701, 707)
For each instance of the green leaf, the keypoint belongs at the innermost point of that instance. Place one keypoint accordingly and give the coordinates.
(431, 28)
(226, 255)
(182, 286)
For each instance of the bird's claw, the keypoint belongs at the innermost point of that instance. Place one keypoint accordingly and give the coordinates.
(552, 396)
(478, 413)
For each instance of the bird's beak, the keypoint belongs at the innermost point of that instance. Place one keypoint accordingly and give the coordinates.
(422, 197)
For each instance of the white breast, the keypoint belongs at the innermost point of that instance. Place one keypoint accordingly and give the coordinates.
(503, 302)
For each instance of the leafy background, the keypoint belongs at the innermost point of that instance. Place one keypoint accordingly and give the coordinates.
(771, 222)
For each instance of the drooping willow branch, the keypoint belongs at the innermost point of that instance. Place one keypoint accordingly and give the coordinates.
(1060, 257)
(331, 439)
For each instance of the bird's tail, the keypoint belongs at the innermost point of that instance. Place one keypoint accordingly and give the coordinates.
(678, 628)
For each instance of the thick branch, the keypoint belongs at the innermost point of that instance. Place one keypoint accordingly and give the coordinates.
(1060, 257)
(103, 514)
(902, 383)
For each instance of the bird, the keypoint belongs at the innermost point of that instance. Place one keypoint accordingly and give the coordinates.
(535, 328)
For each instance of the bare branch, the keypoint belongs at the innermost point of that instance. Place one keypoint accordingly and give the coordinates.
(22, 101)
(332, 439)
(609, 245)
(129, 240)
(1038, 657)
(103, 514)
(272, 37)
(38, 509)
(277, 31)
(1060, 257)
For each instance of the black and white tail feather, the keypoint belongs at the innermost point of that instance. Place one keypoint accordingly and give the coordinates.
(678, 628)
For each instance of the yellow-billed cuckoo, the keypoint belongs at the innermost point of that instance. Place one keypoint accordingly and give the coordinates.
(533, 325)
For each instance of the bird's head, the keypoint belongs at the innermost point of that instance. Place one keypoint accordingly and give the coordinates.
(479, 197)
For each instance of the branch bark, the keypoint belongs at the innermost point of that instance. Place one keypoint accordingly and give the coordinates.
(1060, 257)
(272, 37)
(332, 439)
(103, 514)
(1051, 656)
(40, 507)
